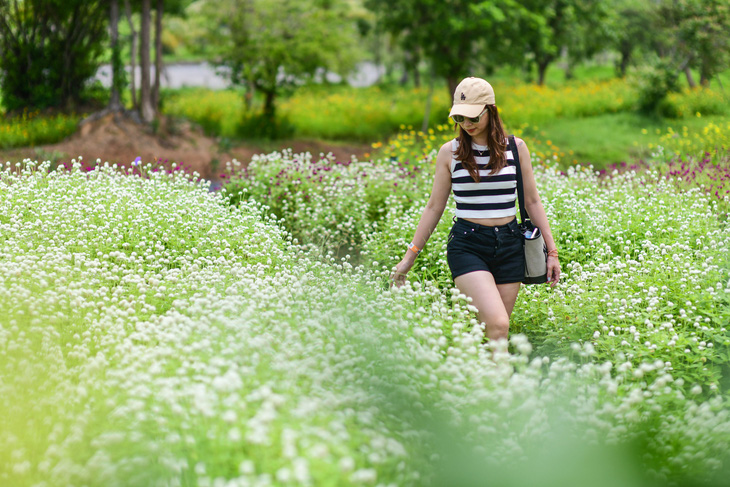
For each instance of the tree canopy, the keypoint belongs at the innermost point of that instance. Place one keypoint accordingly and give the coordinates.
(270, 44)
(48, 50)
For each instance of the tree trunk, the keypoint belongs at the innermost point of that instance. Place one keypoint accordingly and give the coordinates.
(248, 97)
(416, 72)
(704, 75)
(690, 79)
(269, 107)
(147, 111)
(452, 82)
(133, 84)
(115, 101)
(541, 70)
(624, 64)
(158, 54)
(427, 111)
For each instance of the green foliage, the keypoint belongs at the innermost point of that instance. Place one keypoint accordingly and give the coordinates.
(325, 112)
(654, 83)
(259, 125)
(326, 203)
(691, 101)
(31, 128)
(549, 26)
(366, 114)
(217, 112)
(649, 281)
(269, 45)
(458, 38)
(48, 50)
(631, 27)
(167, 338)
(697, 34)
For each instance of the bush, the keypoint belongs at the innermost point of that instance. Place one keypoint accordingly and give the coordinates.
(258, 125)
(711, 143)
(50, 67)
(32, 128)
(692, 101)
(655, 83)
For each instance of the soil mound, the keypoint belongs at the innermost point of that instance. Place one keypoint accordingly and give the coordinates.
(117, 138)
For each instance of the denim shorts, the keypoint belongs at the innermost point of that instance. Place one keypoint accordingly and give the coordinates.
(499, 250)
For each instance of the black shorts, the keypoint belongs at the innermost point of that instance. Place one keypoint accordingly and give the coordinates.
(499, 250)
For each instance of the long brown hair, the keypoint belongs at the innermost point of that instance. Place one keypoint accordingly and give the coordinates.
(495, 142)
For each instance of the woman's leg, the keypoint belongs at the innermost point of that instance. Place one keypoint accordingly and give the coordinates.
(494, 302)
(509, 294)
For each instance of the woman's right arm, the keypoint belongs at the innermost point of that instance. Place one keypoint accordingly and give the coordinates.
(431, 214)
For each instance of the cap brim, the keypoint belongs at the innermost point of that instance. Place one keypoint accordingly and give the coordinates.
(471, 111)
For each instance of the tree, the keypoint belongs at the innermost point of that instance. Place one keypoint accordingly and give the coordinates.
(701, 34)
(690, 34)
(133, 57)
(457, 37)
(590, 33)
(117, 65)
(550, 26)
(49, 49)
(146, 109)
(271, 44)
(632, 26)
(158, 53)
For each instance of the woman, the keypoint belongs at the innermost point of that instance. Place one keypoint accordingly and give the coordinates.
(485, 250)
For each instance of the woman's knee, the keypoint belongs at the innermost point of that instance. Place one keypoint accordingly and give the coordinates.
(498, 324)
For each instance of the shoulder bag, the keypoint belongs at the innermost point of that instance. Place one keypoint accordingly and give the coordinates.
(534, 243)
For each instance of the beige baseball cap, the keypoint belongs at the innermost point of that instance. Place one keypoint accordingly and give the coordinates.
(470, 97)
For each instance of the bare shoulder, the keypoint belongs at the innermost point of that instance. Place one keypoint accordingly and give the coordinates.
(520, 144)
(445, 153)
(446, 148)
(522, 149)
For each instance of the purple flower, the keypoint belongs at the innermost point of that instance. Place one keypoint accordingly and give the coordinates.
(137, 161)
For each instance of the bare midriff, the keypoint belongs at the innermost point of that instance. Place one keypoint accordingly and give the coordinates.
(491, 222)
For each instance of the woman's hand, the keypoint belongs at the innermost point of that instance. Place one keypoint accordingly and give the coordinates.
(398, 277)
(553, 270)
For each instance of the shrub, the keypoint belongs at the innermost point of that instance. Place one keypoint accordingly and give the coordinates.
(712, 141)
(32, 128)
(47, 53)
(655, 82)
(690, 102)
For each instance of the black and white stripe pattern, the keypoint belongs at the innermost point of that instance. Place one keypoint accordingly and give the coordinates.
(494, 196)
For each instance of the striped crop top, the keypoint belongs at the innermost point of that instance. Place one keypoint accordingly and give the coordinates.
(494, 196)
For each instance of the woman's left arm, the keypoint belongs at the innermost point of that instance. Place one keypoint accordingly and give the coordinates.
(534, 208)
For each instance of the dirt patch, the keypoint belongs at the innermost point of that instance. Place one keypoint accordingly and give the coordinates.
(116, 138)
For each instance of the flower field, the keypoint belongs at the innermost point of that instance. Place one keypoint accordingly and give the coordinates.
(156, 333)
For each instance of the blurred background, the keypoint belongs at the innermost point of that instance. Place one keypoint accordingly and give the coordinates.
(597, 82)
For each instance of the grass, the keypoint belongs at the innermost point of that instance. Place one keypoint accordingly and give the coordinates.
(601, 140)
(614, 138)
(32, 128)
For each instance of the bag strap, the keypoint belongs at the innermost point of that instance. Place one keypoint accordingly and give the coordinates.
(518, 171)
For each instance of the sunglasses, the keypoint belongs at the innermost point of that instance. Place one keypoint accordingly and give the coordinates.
(462, 118)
